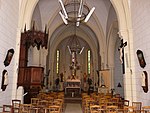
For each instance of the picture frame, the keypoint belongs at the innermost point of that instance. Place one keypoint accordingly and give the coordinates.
(4, 82)
(141, 58)
(9, 56)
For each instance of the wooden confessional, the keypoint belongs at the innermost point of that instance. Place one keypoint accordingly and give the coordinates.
(31, 77)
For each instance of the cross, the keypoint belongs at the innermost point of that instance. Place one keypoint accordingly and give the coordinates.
(121, 50)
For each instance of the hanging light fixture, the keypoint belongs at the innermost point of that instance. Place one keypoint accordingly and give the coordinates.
(74, 42)
(75, 11)
(74, 45)
(75, 48)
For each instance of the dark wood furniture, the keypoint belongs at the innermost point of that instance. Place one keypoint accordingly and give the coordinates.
(16, 105)
(7, 109)
(31, 77)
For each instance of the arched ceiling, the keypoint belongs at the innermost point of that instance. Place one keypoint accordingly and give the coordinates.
(46, 12)
(94, 32)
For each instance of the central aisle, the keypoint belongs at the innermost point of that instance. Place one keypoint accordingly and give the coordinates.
(73, 108)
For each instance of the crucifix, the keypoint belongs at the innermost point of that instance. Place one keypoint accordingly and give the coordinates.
(73, 65)
(121, 50)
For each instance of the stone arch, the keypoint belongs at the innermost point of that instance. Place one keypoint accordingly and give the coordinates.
(121, 7)
(57, 39)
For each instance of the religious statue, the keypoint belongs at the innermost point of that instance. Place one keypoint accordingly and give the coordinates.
(121, 51)
(4, 80)
(57, 83)
(84, 81)
(144, 81)
(74, 65)
(61, 77)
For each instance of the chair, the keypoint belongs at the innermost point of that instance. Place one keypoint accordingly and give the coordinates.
(138, 106)
(114, 101)
(130, 109)
(25, 108)
(146, 109)
(35, 101)
(112, 109)
(53, 109)
(43, 103)
(7, 109)
(117, 95)
(126, 102)
(16, 105)
(88, 102)
(95, 109)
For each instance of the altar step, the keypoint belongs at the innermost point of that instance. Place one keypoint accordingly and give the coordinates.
(73, 99)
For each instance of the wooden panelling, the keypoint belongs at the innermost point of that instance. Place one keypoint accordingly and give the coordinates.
(30, 76)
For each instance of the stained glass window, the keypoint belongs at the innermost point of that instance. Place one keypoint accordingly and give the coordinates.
(89, 61)
(57, 60)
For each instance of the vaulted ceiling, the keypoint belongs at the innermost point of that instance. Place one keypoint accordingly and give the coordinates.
(95, 30)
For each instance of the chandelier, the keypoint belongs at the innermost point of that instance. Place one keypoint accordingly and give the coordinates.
(75, 11)
(75, 49)
(74, 45)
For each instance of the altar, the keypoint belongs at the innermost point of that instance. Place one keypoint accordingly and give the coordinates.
(73, 87)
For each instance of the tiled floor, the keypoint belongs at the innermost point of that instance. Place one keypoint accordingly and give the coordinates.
(73, 108)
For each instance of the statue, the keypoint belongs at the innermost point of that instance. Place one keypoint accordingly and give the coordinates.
(4, 80)
(61, 77)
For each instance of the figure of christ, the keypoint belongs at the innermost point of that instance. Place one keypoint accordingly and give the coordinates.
(121, 57)
(73, 58)
(73, 65)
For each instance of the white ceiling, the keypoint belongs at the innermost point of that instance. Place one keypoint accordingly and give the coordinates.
(46, 13)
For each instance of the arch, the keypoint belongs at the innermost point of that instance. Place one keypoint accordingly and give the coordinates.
(121, 7)
(26, 10)
(57, 37)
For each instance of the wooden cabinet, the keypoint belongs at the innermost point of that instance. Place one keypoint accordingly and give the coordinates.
(30, 76)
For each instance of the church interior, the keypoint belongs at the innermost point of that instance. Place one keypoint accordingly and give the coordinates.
(67, 56)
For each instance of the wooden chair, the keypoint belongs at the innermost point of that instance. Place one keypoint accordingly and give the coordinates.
(35, 101)
(117, 95)
(138, 106)
(146, 109)
(25, 108)
(61, 103)
(16, 105)
(112, 109)
(43, 103)
(114, 101)
(53, 109)
(95, 109)
(7, 109)
(130, 109)
(88, 102)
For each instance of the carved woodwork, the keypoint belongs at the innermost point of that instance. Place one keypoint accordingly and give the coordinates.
(31, 38)
(30, 76)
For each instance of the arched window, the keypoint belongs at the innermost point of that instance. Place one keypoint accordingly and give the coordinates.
(57, 61)
(89, 61)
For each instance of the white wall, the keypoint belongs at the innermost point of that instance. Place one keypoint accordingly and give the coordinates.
(8, 31)
(141, 34)
(118, 76)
